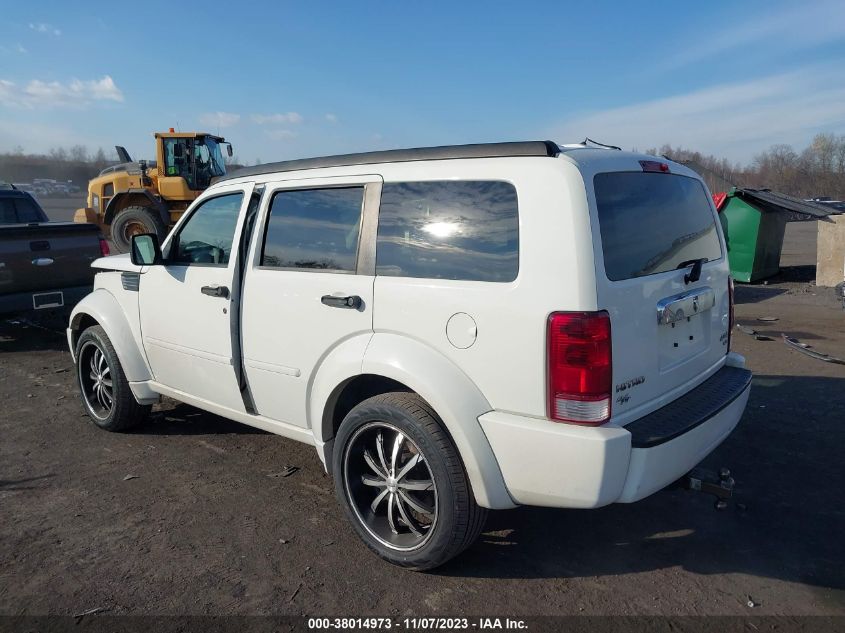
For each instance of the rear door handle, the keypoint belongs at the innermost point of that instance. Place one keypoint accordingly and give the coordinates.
(215, 291)
(352, 302)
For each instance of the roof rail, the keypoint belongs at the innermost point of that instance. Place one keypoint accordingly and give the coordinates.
(444, 152)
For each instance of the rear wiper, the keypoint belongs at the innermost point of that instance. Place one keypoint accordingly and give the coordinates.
(695, 273)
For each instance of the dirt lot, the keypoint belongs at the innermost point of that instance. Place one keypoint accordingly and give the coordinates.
(207, 525)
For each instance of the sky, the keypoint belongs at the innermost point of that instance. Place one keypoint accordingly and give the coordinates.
(284, 80)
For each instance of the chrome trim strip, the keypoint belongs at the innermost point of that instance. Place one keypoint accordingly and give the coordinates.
(679, 307)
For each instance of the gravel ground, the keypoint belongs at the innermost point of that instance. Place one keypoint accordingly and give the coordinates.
(190, 514)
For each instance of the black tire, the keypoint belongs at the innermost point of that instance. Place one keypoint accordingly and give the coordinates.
(135, 220)
(110, 406)
(423, 540)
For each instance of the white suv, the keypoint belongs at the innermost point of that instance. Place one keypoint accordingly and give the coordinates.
(453, 328)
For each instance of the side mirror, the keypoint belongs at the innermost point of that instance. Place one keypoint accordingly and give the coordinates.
(229, 149)
(146, 250)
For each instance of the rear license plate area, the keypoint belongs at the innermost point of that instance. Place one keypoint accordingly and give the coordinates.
(45, 300)
(683, 339)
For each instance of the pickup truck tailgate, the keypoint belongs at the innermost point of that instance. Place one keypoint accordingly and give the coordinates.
(48, 255)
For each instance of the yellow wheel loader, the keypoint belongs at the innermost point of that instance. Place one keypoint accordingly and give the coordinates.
(136, 197)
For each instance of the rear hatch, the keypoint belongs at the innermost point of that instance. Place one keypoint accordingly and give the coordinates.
(669, 331)
(47, 256)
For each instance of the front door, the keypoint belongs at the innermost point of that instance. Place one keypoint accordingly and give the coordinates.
(310, 287)
(188, 307)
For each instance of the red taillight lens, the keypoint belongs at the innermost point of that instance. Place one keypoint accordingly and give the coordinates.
(579, 367)
(104, 248)
(730, 310)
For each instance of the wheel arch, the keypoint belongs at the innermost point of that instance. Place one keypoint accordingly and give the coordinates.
(393, 362)
(101, 308)
(135, 198)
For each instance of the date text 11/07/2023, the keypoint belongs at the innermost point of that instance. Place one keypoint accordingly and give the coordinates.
(417, 624)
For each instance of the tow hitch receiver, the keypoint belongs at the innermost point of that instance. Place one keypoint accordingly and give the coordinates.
(721, 486)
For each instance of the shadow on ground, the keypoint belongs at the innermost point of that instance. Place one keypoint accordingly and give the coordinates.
(785, 520)
(795, 274)
(176, 418)
(26, 483)
(750, 293)
(33, 335)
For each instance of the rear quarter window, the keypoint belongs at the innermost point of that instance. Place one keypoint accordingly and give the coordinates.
(461, 230)
(651, 223)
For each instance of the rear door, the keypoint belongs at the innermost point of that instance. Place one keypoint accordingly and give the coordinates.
(669, 329)
(309, 287)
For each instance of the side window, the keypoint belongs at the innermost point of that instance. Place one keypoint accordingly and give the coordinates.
(177, 159)
(466, 230)
(206, 238)
(7, 211)
(314, 229)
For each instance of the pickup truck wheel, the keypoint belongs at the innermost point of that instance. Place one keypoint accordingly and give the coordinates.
(105, 391)
(402, 483)
(135, 221)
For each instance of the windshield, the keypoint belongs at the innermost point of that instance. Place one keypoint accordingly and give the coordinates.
(207, 153)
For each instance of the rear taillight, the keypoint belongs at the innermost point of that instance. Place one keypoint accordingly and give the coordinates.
(104, 248)
(579, 367)
(730, 309)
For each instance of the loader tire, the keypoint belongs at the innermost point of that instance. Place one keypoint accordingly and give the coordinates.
(135, 221)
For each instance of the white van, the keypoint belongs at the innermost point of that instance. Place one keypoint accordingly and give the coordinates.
(454, 329)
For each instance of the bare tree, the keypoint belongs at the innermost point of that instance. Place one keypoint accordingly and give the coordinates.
(78, 153)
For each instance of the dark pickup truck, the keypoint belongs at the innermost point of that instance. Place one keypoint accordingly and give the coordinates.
(43, 265)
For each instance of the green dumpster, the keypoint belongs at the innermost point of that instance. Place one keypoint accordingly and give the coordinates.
(754, 221)
(754, 237)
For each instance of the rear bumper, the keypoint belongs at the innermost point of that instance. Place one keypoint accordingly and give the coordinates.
(559, 465)
(22, 302)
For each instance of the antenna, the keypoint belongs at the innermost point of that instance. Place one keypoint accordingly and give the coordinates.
(589, 140)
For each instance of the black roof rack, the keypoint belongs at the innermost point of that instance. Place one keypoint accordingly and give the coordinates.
(480, 150)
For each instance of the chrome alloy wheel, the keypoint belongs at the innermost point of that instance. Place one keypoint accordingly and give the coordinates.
(95, 378)
(390, 486)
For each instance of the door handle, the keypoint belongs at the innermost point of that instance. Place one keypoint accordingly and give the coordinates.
(352, 302)
(215, 291)
(42, 261)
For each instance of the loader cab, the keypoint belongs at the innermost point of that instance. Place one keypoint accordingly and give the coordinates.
(190, 163)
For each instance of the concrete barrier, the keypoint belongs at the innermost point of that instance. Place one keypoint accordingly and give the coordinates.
(830, 252)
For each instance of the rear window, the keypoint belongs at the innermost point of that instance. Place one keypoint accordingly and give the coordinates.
(15, 210)
(7, 211)
(461, 230)
(650, 223)
(27, 211)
